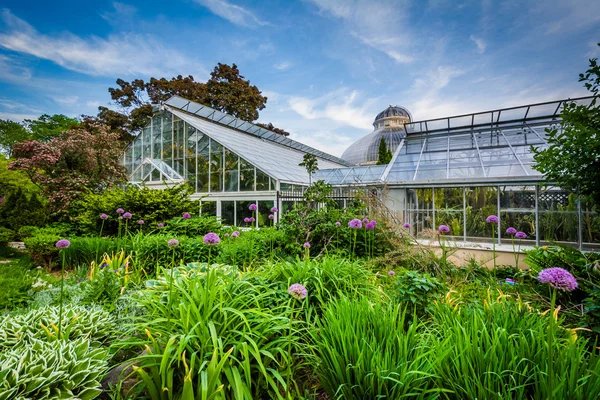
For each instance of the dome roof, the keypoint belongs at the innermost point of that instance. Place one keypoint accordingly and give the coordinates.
(366, 149)
(394, 111)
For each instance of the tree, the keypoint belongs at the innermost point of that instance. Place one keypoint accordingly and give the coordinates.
(384, 154)
(572, 158)
(11, 133)
(79, 160)
(20, 210)
(311, 164)
(226, 90)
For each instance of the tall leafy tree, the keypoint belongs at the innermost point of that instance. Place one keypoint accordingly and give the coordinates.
(572, 158)
(11, 133)
(384, 155)
(79, 160)
(311, 164)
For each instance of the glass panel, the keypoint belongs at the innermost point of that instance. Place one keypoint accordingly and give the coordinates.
(179, 146)
(147, 140)
(481, 202)
(156, 136)
(242, 212)
(246, 176)
(558, 216)
(167, 138)
(449, 209)
(227, 212)
(202, 163)
(231, 171)
(208, 208)
(216, 167)
(156, 176)
(590, 224)
(264, 209)
(517, 210)
(262, 181)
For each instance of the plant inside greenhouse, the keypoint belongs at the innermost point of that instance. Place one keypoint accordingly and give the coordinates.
(194, 237)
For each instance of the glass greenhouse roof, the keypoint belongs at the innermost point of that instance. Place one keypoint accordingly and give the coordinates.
(277, 160)
(480, 146)
(234, 123)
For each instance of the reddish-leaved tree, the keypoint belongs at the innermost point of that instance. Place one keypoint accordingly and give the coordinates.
(87, 158)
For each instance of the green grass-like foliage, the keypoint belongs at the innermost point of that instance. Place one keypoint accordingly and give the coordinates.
(52, 370)
(372, 351)
(214, 336)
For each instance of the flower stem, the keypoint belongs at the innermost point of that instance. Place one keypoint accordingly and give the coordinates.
(62, 289)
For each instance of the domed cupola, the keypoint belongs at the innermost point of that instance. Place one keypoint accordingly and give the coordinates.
(388, 124)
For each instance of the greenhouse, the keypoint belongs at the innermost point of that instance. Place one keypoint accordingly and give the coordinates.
(453, 171)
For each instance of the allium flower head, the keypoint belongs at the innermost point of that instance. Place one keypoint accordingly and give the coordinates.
(370, 226)
(227, 235)
(443, 229)
(186, 216)
(374, 222)
(103, 216)
(365, 220)
(511, 231)
(173, 242)
(235, 234)
(211, 239)
(297, 291)
(141, 222)
(246, 220)
(521, 235)
(274, 209)
(391, 273)
(253, 207)
(271, 216)
(558, 278)
(355, 223)
(492, 219)
(338, 223)
(127, 215)
(120, 211)
(306, 245)
(161, 225)
(251, 219)
(63, 244)
(406, 225)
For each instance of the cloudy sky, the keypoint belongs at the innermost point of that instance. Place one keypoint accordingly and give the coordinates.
(327, 66)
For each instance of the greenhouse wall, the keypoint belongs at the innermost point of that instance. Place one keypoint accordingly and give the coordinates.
(546, 214)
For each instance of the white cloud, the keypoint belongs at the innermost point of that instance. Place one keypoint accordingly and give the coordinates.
(17, 117)
(381, 25)
(66, 100)
(339, 106)
(480, 43)
(235, 14)
(122, 54)
(284, 65)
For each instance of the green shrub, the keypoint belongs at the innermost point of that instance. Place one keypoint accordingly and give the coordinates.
(371, 351)
(153, 206)
(19, 210)
(214, 332)
(27, 231)
(85, 250)
(42, 249)
(52, 370)
(192, 227)
(6, 235)
(501, 351)
(15, 284)
(417, 289)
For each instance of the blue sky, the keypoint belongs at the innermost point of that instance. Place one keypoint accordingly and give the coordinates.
(327, 66)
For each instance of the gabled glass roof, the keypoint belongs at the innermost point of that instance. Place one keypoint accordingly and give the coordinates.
(230, 121)
(280, 162)
(466, 148)
(150, 166)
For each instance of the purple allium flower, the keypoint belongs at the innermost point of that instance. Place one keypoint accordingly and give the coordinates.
(246, 220)
(511, 231)
(370, 226)
(235, 234)
(127, 215)
(251, 219)
(186, 216)
(63, 244)
(141, 222)
(355, 223)
(173, 242)
(443, 229)
(271, 216)
(558, 278)
(374, 222)
(103, 216)
(253, 207)
(365, 220)
(492, 219)
(120, 211)
(161, 225)
(521, 235)
(406, 225)
(338, 223)
(211, 239)
(297, 291)
(274, 209)
(227, 235)
(391, 273)
(306, 245)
